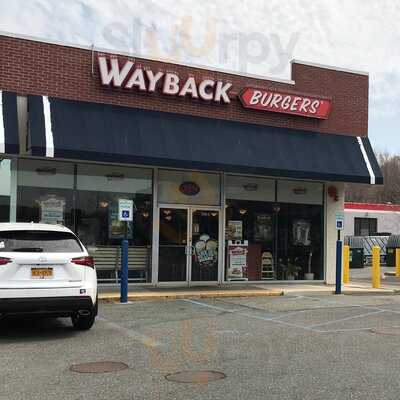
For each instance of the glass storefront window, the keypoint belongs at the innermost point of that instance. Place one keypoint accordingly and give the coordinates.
(188, 187)
(84, 197)
(268, 236)
(249, 188)
(45, 192)
(98, 189)
(300, 192)
(299, 242)
(5, 190)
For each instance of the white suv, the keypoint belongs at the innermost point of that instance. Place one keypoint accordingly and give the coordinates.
(45, 269)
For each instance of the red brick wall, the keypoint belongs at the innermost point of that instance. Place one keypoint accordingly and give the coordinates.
(32, 67)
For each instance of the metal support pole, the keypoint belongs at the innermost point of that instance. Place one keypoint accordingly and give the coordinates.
(124, 271)
(338, 266)
(346, 264)
(397, 255)
(376, 267)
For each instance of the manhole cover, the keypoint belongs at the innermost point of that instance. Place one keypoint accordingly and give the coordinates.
(98, 367)
(195, 376)
(387, 331)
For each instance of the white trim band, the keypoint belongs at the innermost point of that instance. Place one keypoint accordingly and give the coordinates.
(366, 159)
(48, 128)
(2, 129)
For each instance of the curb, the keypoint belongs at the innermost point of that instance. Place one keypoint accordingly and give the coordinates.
(195, 295)
(390, 273)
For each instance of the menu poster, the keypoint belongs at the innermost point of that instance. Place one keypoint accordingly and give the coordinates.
(263, 228)
(235, 230)
(52, 210)
(237, 268)
(116, 228)
(301, 232)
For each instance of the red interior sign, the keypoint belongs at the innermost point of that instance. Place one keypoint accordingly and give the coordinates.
(289, 103)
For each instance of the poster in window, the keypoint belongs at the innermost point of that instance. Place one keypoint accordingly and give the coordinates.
(263, 231)
(235, 230)
(301, 232)
(237, 267)
(206, 251)
(52, 209)
(116, 228)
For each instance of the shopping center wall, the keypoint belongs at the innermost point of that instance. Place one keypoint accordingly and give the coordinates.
(333, 207)
(32, 67)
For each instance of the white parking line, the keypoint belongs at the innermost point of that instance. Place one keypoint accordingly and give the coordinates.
(139, 337)
(345, 319)
(310, 328)
(358, 329)
(247, 315)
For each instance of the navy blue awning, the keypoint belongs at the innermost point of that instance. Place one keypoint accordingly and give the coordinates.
(89, 131)
(9, 143)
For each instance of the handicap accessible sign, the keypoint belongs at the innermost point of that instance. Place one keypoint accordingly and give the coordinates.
(125, 210)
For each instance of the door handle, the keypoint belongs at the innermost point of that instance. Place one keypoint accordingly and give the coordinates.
(189, 250)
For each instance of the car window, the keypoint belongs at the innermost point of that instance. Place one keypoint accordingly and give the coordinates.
(39, 242)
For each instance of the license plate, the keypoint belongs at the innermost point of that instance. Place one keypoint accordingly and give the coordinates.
(42, 273)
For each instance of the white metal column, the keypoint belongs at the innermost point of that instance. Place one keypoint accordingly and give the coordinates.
(156, 230)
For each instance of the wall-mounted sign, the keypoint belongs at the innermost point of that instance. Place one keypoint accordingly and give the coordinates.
(289, 103)
(131, 75)
(339, 221)
(189, 188)
(125, 210)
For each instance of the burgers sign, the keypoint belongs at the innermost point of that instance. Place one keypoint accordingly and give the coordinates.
(288, 103)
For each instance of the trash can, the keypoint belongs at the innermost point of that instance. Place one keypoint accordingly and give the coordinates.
(392, 244)
(356, 244)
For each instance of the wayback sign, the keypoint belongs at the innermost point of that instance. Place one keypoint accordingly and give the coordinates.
(130, 76)
(289, 103)
(137, 77)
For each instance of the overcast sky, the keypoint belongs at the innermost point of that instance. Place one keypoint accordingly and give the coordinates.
(252, 36)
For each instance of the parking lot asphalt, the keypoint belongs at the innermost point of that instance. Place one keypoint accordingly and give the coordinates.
(290, 347)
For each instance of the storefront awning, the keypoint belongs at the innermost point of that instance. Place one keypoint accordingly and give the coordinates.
(88, 131)
(8, 123)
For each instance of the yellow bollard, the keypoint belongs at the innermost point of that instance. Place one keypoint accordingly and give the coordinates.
(397, 255)
(346, 264)
(376, 267)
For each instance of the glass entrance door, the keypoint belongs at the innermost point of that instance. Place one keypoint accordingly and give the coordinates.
(188, 245)
(204, 239)
(173, 245)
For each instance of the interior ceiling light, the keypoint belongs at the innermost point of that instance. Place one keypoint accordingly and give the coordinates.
(46, 171)
(242, 211)
(115, 176)
(250, 187)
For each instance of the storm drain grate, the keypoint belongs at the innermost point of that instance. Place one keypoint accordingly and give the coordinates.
(98, 367)
(395, 331)
(195, 376)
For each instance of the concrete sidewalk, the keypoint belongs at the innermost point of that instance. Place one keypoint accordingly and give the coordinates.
(140, 293)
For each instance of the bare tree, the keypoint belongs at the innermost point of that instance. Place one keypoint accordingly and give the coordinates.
(389, 192)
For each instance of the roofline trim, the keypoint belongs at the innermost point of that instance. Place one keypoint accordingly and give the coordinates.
(92, 47)
(333, 68)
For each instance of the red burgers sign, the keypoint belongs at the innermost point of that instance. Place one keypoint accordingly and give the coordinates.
(289, 103)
